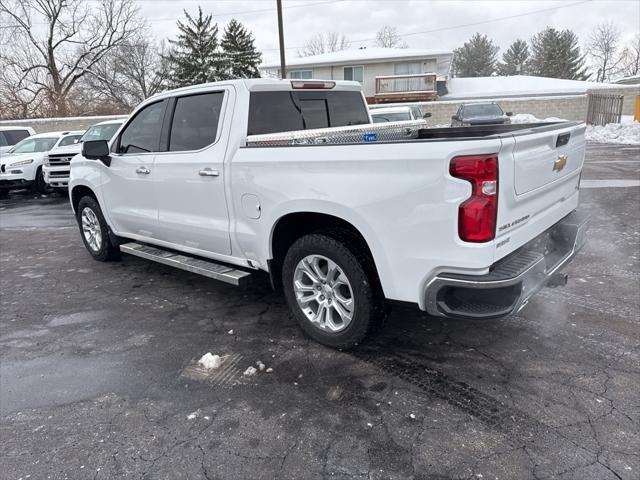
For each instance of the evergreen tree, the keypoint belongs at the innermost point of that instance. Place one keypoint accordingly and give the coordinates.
(476, 58)
(556, 54)
(194, 54)
(515, 61)
(241, 58)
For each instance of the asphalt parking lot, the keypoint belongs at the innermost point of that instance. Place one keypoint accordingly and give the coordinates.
(98, 374)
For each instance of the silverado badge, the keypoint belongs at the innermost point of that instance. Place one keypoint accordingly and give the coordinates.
(559, 164)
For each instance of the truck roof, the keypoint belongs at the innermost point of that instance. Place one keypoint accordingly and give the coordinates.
(262, 84)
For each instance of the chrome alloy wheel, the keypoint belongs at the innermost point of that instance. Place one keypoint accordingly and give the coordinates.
(91, 229)
(323, 293)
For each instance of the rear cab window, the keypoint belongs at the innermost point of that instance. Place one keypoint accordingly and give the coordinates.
(286, 111)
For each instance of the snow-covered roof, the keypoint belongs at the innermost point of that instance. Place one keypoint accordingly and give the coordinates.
(362, 56)
(632, 80)
(516, 86)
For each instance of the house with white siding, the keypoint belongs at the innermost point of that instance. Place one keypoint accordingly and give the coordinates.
(386, 74)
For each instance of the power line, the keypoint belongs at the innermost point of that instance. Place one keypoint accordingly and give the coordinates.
(473, 24)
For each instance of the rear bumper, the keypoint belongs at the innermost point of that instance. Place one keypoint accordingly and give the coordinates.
(513, 280)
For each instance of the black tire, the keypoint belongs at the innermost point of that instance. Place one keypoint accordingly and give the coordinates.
(107, 250)
(39, 184)
(368, 300)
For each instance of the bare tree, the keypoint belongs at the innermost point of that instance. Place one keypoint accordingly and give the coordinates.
(131, 73)
(630, 58)
(388, 37)
(324, 43)
(56, 43)
(603, 50)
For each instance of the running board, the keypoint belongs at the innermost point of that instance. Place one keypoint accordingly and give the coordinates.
(207, 268)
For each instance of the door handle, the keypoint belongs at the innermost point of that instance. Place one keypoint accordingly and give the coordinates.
(208, 172)
(143, 170)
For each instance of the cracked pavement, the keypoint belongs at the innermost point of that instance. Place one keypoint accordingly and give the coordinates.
(98, 375)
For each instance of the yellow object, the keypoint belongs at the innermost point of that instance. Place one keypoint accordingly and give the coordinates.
(636, 116)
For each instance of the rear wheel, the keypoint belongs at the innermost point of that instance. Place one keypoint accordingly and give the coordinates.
(39, 184)
(94, 231)
(330, 291)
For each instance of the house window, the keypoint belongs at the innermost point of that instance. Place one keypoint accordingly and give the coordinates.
(407, 68)
(301, 74)
(353, 73)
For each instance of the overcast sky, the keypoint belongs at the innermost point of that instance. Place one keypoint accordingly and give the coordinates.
(446, 23)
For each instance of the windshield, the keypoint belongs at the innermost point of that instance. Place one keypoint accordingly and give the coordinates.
(390, 117)
(33, 145)
(68, 140)
(100, 132)
(486, 110)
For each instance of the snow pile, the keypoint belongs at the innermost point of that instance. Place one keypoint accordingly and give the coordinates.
(628, 133)
(528, 118)
(210, 362)
(250, 372)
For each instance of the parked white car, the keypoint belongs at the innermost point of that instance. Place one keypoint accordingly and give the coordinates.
(21, 166)
(342, 218)
(397, 114)
(56, 162)
(10, 135)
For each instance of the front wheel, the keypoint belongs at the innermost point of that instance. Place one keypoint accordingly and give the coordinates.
(94, 231)
(330, 290)
(39, 184)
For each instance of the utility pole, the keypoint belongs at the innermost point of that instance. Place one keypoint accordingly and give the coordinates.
(283, 66)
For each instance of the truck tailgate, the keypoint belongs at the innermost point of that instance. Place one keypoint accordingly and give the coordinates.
(539, 182)
(546, 157)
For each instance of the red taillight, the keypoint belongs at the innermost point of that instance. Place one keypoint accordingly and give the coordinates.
(477, 215)
(305, 85)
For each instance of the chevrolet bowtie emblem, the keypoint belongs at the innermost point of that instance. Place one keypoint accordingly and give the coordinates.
(559, 164)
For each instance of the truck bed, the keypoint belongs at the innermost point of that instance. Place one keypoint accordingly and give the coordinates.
(396, 132)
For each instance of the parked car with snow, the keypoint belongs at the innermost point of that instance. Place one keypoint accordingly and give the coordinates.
(397, 114)
(56, 162)
(9, 136)
(487, 113)
(463, 222)
(21, 166)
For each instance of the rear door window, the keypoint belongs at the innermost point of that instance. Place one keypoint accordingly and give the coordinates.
(285, 111)
(195, 121)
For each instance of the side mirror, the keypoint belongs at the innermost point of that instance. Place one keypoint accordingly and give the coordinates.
(426, 115)
(509, 114)
(97, 150)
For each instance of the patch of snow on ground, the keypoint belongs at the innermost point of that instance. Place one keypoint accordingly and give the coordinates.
(210, 361)
(528, 118)
(627, 134)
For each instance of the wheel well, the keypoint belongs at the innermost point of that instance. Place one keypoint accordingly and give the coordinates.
(295, 225)
(77, 193)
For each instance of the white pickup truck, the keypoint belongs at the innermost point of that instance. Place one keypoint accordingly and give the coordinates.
(464, 222)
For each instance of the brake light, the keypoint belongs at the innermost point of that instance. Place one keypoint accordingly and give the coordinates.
(477, 215)
(302, 85)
